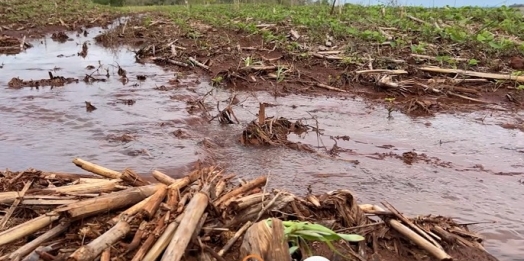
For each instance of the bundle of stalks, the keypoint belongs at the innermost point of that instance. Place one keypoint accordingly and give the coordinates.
(270, 130)
(119, 215)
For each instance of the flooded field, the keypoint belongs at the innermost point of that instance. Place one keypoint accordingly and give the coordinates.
(463, 165)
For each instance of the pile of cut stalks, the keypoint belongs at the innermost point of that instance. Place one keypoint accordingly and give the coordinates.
(203, 216)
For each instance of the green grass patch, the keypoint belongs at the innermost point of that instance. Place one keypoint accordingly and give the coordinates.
(44, 12)
(470, 32)
(435, 31)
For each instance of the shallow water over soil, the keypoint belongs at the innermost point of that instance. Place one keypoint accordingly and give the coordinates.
(471, 170)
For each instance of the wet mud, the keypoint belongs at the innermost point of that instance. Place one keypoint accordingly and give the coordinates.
(160, 115)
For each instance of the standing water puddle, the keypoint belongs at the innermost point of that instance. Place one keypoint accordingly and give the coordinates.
(471, 170)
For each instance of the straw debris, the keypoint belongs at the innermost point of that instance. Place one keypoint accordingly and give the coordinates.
(58, 216)
(273, 131)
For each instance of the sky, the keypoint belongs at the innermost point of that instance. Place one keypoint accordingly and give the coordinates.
(440, 3)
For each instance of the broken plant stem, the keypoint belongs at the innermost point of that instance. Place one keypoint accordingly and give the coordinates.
(234, 239)
(27, 228)
(47, 236)
(494, 76)
(92, 250)
(199, 64)
(15, 204)
(194, 210)
(99, 170)
(163, 240)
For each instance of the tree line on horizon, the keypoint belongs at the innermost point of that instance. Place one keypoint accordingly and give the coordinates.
(183, 2)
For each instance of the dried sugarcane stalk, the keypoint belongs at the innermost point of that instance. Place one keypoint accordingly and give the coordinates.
(99, 170)
(59, 175)
(261, 113)
(226, 203)
(133, 179)
(27, 228)
(103, 185)
(137, 238)
(330, 88)
(153, 203)
(92, 250)
(130, 211)
(27, 248)
(88, 180)
(44, 202)
(182, 182)
(199, 64)
(108, 202)
(411, 225)
(172, 198)
(448, 237)
(244, 202)
(266, 242)
(198, 228)
(163, 240)
(40, 253)
(255, 211)
(220, 187)
(14, 205)
(235, 237)
(145, 248)
(8, 197)
(494, 76)
(417, 239)
(194, 210)
(278, 246)
(163, 178)
(106, 255)
(182, 203)
(258, 182)
(382, 71)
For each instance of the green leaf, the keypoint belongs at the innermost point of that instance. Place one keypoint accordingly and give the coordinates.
(309, 235)
(495, 45)
(481, 38)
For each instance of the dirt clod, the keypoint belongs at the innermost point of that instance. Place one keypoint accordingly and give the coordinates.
(61, 37)
(53, 81)
(409, 157)
(89, 107)
(517, 63)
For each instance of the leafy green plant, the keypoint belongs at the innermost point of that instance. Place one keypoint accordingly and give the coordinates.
(299, 233)
(419, 48)
(216, 81)
(473, 62)
(390, 106)
(280, 73)
(248, 61)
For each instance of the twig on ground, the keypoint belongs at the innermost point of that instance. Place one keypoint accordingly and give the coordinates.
(199, 64)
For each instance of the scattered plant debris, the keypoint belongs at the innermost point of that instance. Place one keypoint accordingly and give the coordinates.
(61, 37)
(89, 107)
(53, 81)
(142, 219)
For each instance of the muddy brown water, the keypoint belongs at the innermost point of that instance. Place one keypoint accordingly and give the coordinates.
(473, 170)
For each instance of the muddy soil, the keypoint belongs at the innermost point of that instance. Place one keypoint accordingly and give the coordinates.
(241, 60)
(466, 165)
